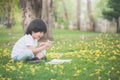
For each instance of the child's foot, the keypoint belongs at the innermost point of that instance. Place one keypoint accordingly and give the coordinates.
(35, 60)
(44, 58)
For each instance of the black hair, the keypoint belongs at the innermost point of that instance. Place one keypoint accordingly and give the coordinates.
(36, 25)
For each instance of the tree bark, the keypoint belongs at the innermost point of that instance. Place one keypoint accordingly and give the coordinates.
(65, 10)
(8, 17)
(47, 12)
(118, 26)
(31, 9)
(91, 18)
(42, 9)
(78, 14)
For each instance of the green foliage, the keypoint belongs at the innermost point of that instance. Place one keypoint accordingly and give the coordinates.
(95, 56)
(63, 22)
(59, 12)
(2, 7)
(13, 9)
(113, 11)
(100, 5)
(17, 12)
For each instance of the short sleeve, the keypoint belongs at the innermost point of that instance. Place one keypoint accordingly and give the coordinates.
(29, 41)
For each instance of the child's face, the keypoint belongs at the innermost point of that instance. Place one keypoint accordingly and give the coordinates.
(37, 35)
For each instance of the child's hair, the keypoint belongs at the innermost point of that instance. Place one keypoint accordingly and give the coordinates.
(36, 25)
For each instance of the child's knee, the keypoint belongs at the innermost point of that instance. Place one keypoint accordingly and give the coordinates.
(43, 52)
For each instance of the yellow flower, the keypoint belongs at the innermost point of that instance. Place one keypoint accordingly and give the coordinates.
(9, 79)
(0, 49)
(2, 78)
(6, 52)
(113, 58)
(97, 62)
(53, 55)
(52, 71)
(118, 72)
(108, 73)
(52, 79)
(19, 64)
(77, 73)
(99, 78)
(97, 71)
(75, 68)
(91, 74)
(47, 68)
(84, 68)
(61, 67)
(112, 68)
(11, 61)
(12, 68)
(78, 56)
(54, 66)
(61, 72)
(32, 70)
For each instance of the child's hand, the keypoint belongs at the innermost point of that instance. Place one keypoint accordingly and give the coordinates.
(49, 43)
(42, 43)
(46, 44)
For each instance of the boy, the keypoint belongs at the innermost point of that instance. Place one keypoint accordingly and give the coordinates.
(26, 47)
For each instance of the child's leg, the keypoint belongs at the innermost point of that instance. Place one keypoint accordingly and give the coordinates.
(26, 54)
(41, 54)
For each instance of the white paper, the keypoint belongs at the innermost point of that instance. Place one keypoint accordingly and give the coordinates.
(58, 61)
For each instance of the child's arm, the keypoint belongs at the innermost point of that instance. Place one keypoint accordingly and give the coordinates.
(48, 42)
(40, 48)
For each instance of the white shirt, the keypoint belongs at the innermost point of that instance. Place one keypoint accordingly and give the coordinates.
(22, 44)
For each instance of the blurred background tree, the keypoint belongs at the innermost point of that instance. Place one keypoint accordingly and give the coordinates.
(90, 15)
(113, 12)
(79, 14)
(42, 9)
(7, 12)
(10, 13)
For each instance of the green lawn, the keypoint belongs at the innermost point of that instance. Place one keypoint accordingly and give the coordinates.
(95, 56)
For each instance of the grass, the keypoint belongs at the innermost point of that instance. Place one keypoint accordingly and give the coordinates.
(95, 56)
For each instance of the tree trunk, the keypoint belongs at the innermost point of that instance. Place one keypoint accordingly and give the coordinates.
(8, 16)
(47, 12)
(78, 14)
(55, 11)
(91, 18)
(118, 26)
(32, 9)
(65, 10)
